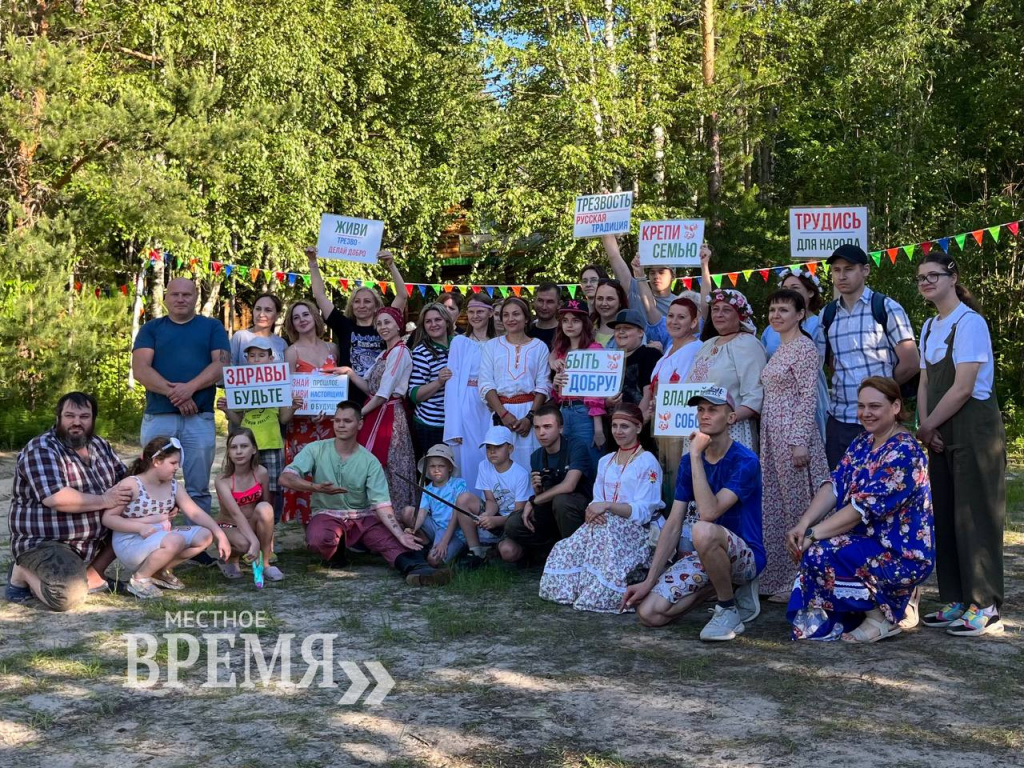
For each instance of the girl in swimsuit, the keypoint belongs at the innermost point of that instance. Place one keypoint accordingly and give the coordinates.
(246, 518)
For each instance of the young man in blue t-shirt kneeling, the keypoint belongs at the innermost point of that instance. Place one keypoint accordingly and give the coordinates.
(714, 527)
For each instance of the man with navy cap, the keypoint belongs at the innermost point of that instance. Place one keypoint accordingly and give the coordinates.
(867, 334)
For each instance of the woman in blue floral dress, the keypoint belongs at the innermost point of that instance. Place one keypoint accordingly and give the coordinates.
(866, 559)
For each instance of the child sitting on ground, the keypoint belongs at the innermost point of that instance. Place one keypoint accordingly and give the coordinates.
(435, 516)
(144, 540)
(506, 487)
(246, 517)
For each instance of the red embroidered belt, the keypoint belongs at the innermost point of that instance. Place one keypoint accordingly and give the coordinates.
(516, 399)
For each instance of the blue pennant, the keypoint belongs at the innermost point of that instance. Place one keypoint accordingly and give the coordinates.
(943, 244)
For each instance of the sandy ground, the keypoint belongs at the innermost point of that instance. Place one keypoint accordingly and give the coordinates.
(489, 675)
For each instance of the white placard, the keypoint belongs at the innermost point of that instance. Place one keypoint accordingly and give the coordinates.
(348, 239)
(671, 243)
(814, 233)
(672, 416)
(320, 392)
(597, 215)
(257, 386)
(594, 373)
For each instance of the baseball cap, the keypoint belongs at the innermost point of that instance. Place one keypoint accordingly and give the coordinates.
(574, 306)
(440, 451)
(259, 342)
(629, 317)
(498, 436)
(849, 252)
(715, 396)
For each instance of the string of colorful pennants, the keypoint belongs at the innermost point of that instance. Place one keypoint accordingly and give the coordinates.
(292, 278)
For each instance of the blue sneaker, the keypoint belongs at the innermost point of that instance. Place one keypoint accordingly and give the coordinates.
(13, 593)
(945, 616)
(976, 622)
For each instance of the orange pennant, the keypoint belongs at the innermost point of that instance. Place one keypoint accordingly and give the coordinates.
(813, 267)
(978, 235)
(893, 252)
(254, 273)
(734, 276)
(517, 290)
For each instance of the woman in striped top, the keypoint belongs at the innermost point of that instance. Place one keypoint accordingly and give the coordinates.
(430, 372)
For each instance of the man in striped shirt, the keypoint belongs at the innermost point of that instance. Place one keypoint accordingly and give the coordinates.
(65, 478)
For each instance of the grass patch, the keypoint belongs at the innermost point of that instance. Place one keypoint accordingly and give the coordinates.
(75, 662)
(447, 622)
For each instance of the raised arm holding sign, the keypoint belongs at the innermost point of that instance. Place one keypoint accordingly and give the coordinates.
(597, 215)
(349, 239)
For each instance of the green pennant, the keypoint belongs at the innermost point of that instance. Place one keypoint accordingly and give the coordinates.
(909, 250)
(877, 257)
(717, 280)
(994, 231)
(436, 288)
(572, 290)
(179, 261)
(823, 266)
(747, 273)
(307, 280)
(503, 290)
(960, 239)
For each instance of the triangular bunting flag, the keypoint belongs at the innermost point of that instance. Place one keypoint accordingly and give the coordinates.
(733, 277)
(423, 289)
(960, 240)
(124, 289)
(926, 247)
(179, 262)
(893, 253)
(292, 277)
(476, 289)
(359, 283)
(436, 288)
(943, 244)
(994, 231)
(877, 256)
(1014, 227)
(747, 273)
(517, 290)
(688, 283)
(812, 267)
(502, 290)
(979, 235)
(572, 290)
(464, 289)
(343, 282)
(383, 287)
(909, 250)
(409, 289)
(253, 274)
(228, 269)
(717, 280)
(764, 274)
(490, 291)
(824, 267)
(448, 287)
(307, 279)
(216, 266)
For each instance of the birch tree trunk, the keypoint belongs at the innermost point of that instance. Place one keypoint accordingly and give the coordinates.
(711, 119)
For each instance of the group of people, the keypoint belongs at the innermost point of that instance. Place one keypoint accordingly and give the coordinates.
(456, 445)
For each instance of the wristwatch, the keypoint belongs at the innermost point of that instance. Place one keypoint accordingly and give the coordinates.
(809, 533)
(529, 415)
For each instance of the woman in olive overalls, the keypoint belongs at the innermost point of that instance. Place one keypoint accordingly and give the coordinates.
(963, 430)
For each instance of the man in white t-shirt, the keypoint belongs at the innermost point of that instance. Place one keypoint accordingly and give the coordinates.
(506, 489)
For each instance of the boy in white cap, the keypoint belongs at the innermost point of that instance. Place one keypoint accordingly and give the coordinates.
(435, 522)
(506, 489)
(714, 528)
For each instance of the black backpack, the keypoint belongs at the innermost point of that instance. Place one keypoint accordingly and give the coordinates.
(878, 311)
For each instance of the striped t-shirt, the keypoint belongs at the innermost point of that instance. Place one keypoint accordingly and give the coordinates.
(427, 362)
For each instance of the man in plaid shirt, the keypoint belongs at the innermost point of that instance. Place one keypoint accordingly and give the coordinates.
(861, 347)
(65, 478)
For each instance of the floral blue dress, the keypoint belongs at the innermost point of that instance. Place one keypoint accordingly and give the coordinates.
(878, 562)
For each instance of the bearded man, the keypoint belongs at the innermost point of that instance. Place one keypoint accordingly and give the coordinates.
(65, 478)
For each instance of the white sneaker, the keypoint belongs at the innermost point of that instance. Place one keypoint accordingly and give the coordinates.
(724, 625)
(747, 601)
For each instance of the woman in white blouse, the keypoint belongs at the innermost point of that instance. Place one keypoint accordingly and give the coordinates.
(514, 378)
(589, 569)
(733, 358)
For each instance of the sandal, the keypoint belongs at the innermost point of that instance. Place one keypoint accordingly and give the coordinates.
(866, 632)
(912, 616)
(273, 573)
(167, 580)
(230, 570)
(781, 597)
(144, 588)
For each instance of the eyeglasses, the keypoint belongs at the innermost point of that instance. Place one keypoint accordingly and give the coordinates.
(931, 277)
(171, 443)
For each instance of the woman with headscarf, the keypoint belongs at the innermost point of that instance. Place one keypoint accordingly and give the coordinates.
(385, 431)
(733, 358)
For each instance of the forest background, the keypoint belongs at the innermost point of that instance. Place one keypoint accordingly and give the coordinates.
(143, 139)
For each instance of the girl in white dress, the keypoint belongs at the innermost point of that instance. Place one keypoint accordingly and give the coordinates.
(514, 378)
(466, 415)
(588, 570)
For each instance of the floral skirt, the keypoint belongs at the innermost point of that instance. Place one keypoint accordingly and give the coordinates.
(588, 570)
(302, 430)
(843, 578)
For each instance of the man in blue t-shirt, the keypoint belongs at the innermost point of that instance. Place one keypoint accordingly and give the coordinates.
(715, 525)
(179, 359)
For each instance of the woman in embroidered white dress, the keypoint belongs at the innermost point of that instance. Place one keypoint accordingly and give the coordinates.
(513, 378)
(466, 416)
(588, 570)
